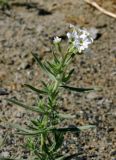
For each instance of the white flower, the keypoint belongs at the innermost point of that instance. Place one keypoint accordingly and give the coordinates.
(80, 39)
(86, 35)
(72, 36)
(69, 35)
(57, 40)
(72, 26)
(82, 44)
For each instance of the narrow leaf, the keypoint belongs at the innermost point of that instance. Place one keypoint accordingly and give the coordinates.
(67, 129)
(43, 66)
(44, 84)
(70, 72)
(67, 157)
(3, 158)
(55, 58)
(50, 73)
(73, 129)
(59, 140)
(48, 70)
(38, 61)
(87, 127)
(35, 89)
(25, 131)
(67, 116)
(23, 105)
(78, 89)
(65, 79)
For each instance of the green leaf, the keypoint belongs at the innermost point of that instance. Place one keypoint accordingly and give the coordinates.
(77, 89)
(56, 60)
(35, 89)
(3, 141)
(24, 131)
(50, 142)
(4, 3)
(45, 148)
(38, 61)
(73, 129)
(23, 105)
(70, 72)
(44, 84)
(59, 140)
(43, 66)
(49, 71)
(42, 106)
(67, 116)
(65, 79)
(56, 143)
(2, 158)
(67, 129)
(50, 65)
(36, 123)
(86, 127)
(55, 68)
(67, 157)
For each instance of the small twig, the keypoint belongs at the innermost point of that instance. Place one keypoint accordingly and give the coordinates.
(94, 4)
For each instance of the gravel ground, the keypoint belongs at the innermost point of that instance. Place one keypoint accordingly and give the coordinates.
(27, 27)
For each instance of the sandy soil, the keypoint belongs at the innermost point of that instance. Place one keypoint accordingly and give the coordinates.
(27, 27)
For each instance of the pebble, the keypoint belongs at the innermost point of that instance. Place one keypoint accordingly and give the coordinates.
(3, 91)
(24, 65)
(19, 115)
(5, 154)
(100, 102)
(2, 74)
(39, 29)
(93, 96)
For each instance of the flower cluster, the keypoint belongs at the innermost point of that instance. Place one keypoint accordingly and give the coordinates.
(80, 39)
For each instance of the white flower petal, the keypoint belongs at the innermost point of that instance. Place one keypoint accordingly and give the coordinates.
(72, 26)
(57, 40)
(69, 35)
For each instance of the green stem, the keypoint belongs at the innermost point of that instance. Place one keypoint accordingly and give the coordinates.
(42, 142)
(56, 85)
(66, 59)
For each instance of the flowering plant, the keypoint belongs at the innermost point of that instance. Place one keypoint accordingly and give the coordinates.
(45, 135)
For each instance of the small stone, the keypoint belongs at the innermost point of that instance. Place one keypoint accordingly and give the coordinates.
(5, 154)
(19, 115)
(93, 96)
(113, 73)
(24, 65)
(39, 29)
(2, 74)
(3, 91)
(100, 102)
